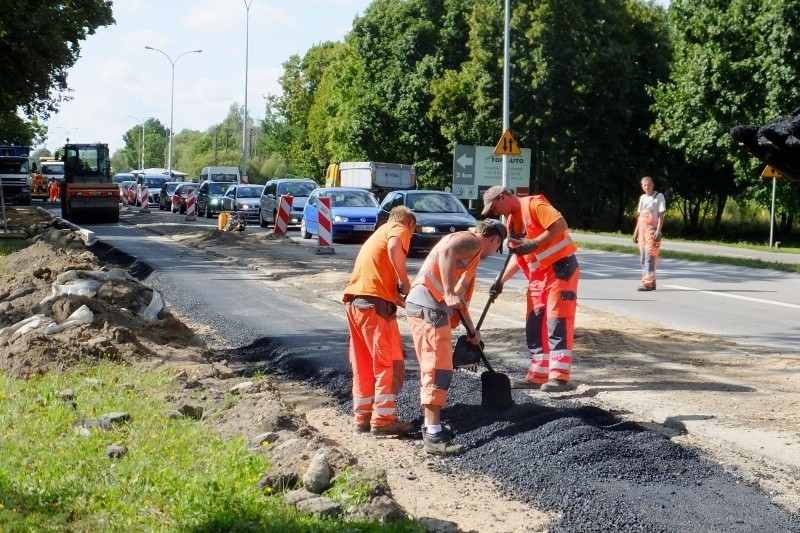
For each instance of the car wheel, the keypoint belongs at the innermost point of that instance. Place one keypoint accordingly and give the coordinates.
(303, 232)
(208, 212)
(261, 221)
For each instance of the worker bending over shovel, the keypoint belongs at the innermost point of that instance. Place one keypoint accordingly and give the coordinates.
(444, 284)
(546, 255)
(376, 289)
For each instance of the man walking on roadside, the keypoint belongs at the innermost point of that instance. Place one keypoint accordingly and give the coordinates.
(444, 284)
(546, 256)
(647, 234)
(377, 286)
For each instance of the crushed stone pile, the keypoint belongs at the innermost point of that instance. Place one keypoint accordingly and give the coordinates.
(60, 306)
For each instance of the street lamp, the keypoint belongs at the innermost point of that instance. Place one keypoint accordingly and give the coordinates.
(172, 97)
(141, 142)
(66, 133)
(245, 138)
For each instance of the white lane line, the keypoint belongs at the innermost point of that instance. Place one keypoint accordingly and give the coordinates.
(734, 296)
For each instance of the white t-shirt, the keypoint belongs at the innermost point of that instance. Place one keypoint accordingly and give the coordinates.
(655, 204)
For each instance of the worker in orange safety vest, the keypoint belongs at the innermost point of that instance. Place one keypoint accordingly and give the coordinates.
(546, 255)
(54, 193)
(647, 234)
(444, 283)
(377, 286)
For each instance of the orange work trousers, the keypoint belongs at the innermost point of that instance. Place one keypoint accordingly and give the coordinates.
(54, 196)
(552, 302)
(376, 357)
(433, 344)
(649, 248)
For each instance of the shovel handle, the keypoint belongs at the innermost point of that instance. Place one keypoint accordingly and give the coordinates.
(471, 333)
(491, 300)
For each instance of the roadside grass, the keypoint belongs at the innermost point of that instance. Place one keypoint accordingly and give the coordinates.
(9, 246)
(177, 475)
(690, 256)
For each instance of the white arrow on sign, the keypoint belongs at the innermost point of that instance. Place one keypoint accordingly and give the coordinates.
(464, 161)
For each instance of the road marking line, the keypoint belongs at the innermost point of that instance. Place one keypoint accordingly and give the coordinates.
(734, 296)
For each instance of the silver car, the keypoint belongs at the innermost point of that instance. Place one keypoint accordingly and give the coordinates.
(243, 199)
(299, 188)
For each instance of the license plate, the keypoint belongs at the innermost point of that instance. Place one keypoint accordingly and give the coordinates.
(366, 227)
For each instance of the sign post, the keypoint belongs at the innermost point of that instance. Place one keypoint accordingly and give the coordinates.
(773, 174)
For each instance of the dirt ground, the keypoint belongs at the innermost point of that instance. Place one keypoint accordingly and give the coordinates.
(739, 404)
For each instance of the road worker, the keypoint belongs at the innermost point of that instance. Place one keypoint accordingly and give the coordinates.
(444, 284)
(54, 193)
(546, 255)
(377, 287)
(647, 234)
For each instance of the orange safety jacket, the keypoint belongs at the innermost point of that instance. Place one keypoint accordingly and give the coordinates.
(543, 257)
(430, 276)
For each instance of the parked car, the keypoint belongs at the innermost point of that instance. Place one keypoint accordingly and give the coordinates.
(181, 195)
(438, 214)
(165, 194)
(243, 199)
(299, 188)
(354, 213)
(127, 192)
(209, 197)
(154, 182)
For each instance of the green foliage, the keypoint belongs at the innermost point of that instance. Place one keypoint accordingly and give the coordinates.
(176, 476)
(39, 42)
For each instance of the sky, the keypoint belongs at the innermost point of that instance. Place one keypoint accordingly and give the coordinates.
(116, 78)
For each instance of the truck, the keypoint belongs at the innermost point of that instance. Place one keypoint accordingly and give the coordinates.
(49, 169)
(89, 192)
(15, 174)
(380, 178)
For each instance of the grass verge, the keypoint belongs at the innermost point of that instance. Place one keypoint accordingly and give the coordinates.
(176, 476)
(689, 256)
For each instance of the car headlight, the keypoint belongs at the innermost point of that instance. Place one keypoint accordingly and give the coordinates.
(338, 219)
(244, 207)
(425, 229)
(214, 201)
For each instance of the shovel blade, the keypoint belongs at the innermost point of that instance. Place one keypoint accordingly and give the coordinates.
(496, 390)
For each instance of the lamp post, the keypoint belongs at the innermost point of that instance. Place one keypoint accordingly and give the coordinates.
(66, 133)
(171, 97)
(506, 83)
(245, 138)
(141, 142)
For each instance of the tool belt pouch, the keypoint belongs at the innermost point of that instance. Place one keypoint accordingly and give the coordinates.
(466, 353)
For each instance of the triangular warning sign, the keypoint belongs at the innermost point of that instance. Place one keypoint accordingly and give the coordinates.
(507, 145)
(770, 172)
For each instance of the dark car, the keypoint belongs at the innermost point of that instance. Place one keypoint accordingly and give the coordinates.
(353, 213)
(181, 195)
(209, 197)
(438, 214)
(165, 194)
(243, 199)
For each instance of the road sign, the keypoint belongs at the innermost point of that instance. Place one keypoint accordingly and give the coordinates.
(770, 172)
(476, 168)
(507, 145)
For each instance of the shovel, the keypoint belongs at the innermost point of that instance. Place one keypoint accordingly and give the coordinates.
(495, 387)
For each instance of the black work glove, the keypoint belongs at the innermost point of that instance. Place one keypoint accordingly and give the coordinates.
(495, 290)
(657, 235)
(524, 246)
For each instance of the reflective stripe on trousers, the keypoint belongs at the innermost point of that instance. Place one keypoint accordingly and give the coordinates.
(433, 344)
(552, 301)
(376, 358)
(649, 249)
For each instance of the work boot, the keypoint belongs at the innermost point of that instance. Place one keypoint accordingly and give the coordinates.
(441, 444)
(362, 427)
(524, 384)
(647, 287)
(556, 385)
(447, 428)
(392, 429)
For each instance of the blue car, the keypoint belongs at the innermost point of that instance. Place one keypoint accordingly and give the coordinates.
(353, 213)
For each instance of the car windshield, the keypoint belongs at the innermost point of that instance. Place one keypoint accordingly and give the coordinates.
(434, 203)
(218, 188)
(351, 199)
(154, 183)
(52, 169)
(296, 188)
(14, 167)
(249, 192)
(172, 186)
(224, 177)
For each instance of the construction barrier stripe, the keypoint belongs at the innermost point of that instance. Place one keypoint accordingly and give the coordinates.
(324, 235)
(282, 219)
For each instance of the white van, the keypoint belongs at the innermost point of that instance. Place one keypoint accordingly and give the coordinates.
(220, 174)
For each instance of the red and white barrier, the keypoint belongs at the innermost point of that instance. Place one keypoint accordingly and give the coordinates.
(145, 207)
(282, 218)
(324, 230)
(190, 206)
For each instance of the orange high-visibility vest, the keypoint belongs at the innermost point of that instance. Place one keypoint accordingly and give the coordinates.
(545, 256)
(430, 275)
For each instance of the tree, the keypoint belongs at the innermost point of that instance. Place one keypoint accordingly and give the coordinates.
(39, 42)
